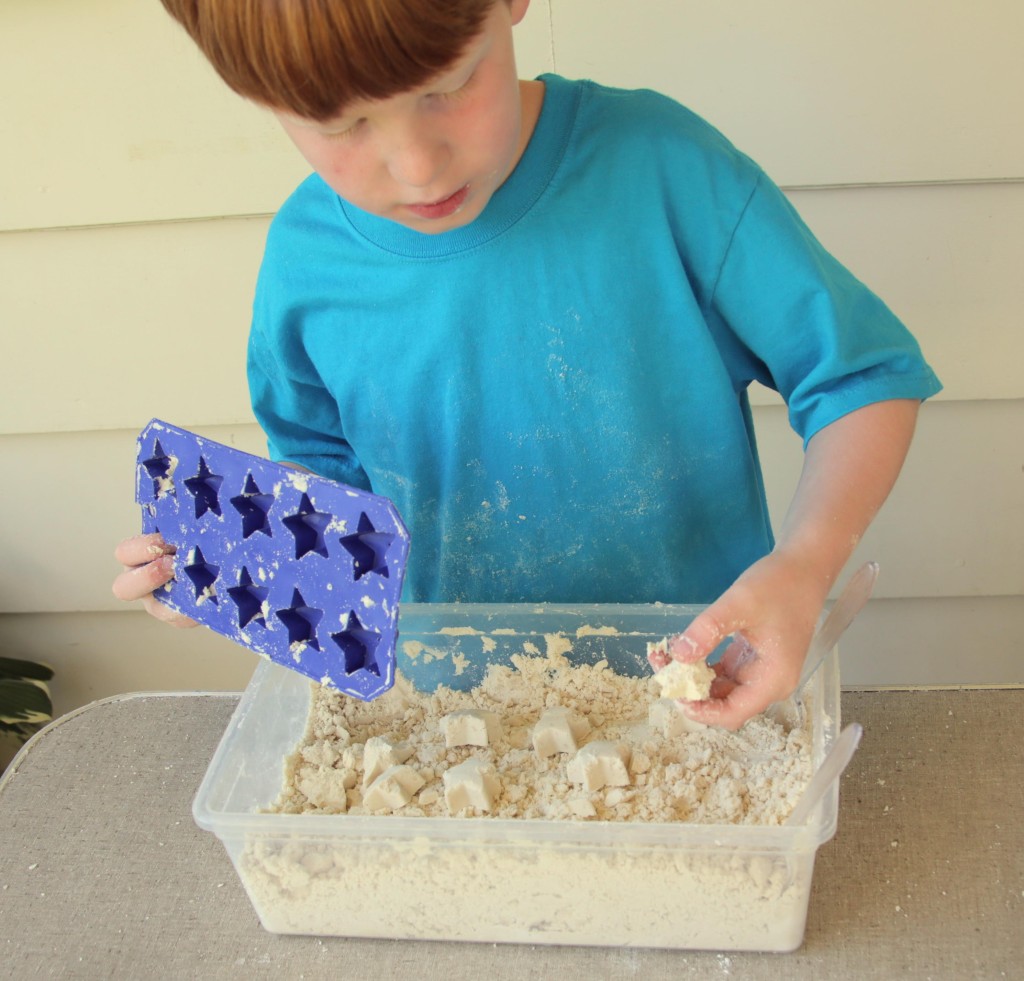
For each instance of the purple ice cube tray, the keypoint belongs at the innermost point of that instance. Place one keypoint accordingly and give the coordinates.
(304, 571)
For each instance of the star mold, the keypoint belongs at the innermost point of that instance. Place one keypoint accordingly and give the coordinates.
(276, 559)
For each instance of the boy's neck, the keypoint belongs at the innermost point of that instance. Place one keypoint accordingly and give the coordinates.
(531, 97)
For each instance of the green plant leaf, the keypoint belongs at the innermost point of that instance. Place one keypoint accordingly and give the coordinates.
(24, 702)
(22, 733)
(13, 667)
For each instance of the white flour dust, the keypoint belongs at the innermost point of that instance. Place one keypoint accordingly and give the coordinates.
(675, 771)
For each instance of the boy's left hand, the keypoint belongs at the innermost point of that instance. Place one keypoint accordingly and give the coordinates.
(773, 608)
(771, 613)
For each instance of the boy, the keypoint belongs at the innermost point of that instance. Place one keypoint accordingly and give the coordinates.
(528, 313)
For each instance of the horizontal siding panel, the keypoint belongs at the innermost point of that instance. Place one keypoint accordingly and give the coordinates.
(820, 93)
(947, 260)
(893, 642)
(145, 320)
(954, 524)
(115, 309)
(127, 323)
(151, 132)
(73, 507)
(824, 91)
(953, 527)
(942, 641)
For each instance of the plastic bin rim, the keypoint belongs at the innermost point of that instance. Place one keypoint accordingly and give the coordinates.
(497, 832)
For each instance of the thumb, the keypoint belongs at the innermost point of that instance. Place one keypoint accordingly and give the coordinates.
(708, 629)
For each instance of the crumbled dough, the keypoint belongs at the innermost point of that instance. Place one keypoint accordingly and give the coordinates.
(675, 770)
(600, 764)
(380, 754)
(393, 789)
(470, 727)
(666, 716)
(471, 784)
(470, 887)
(690, 681)
(559, 731)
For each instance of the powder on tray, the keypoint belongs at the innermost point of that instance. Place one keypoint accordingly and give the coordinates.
(543, 740)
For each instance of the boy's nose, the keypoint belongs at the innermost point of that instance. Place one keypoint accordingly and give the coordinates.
(418, 159)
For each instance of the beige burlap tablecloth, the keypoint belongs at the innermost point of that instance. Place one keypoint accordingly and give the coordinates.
(103, 873)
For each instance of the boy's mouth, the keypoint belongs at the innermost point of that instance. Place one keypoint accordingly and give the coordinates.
(443, 208)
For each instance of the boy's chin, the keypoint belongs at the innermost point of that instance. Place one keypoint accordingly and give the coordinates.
(435, 227)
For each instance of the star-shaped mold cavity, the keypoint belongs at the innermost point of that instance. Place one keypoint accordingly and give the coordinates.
(205, 488)
(301, 621)
(368, 548)
(358, 646)
(202, 575)
(249, 598)
(160, 467)
(308, 526)
(252, 504)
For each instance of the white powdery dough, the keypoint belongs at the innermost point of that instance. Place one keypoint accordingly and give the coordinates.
(667, 717)
(559, 730)
(393, 789)
(473, 784)
(690, 681)
(381, 754)
(675, 773)
(325, 789)
(349, 743)
(562, 895)
(600, 764)
(470, 727)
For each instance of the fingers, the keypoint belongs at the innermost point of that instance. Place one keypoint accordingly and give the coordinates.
(746, 683)
(149, 564)
(700, 638)
(730, 711)
(657, 658)
(764, 630)
(165, 614)
(140, 549)
(695, 643)
(737, 656)
(139, 581)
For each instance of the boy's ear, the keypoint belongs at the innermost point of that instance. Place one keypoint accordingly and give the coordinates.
(517, 9)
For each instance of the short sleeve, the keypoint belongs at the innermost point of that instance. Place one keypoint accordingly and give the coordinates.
(804, 325)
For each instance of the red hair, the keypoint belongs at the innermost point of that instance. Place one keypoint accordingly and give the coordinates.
(312, 57)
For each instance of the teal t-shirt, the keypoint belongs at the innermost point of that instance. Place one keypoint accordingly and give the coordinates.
(555, 397)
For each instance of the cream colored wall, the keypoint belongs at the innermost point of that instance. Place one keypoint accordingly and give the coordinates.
(135, 192)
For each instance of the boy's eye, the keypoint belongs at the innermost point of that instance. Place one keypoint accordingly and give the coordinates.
(456, 89)
(347, 129)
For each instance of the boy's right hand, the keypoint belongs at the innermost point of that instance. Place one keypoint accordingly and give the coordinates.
(148, 563)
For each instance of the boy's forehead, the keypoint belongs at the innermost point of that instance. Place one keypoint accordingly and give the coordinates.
(321, 65)
(463, 62)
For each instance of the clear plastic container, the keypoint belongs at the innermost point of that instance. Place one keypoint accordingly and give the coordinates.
(689, 886)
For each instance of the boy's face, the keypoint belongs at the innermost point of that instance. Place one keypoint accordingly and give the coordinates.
(430, 158)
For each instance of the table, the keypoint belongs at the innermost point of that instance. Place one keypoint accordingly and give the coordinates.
(103, 873)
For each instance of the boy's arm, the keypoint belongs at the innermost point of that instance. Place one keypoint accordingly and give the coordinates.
(849, 469)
